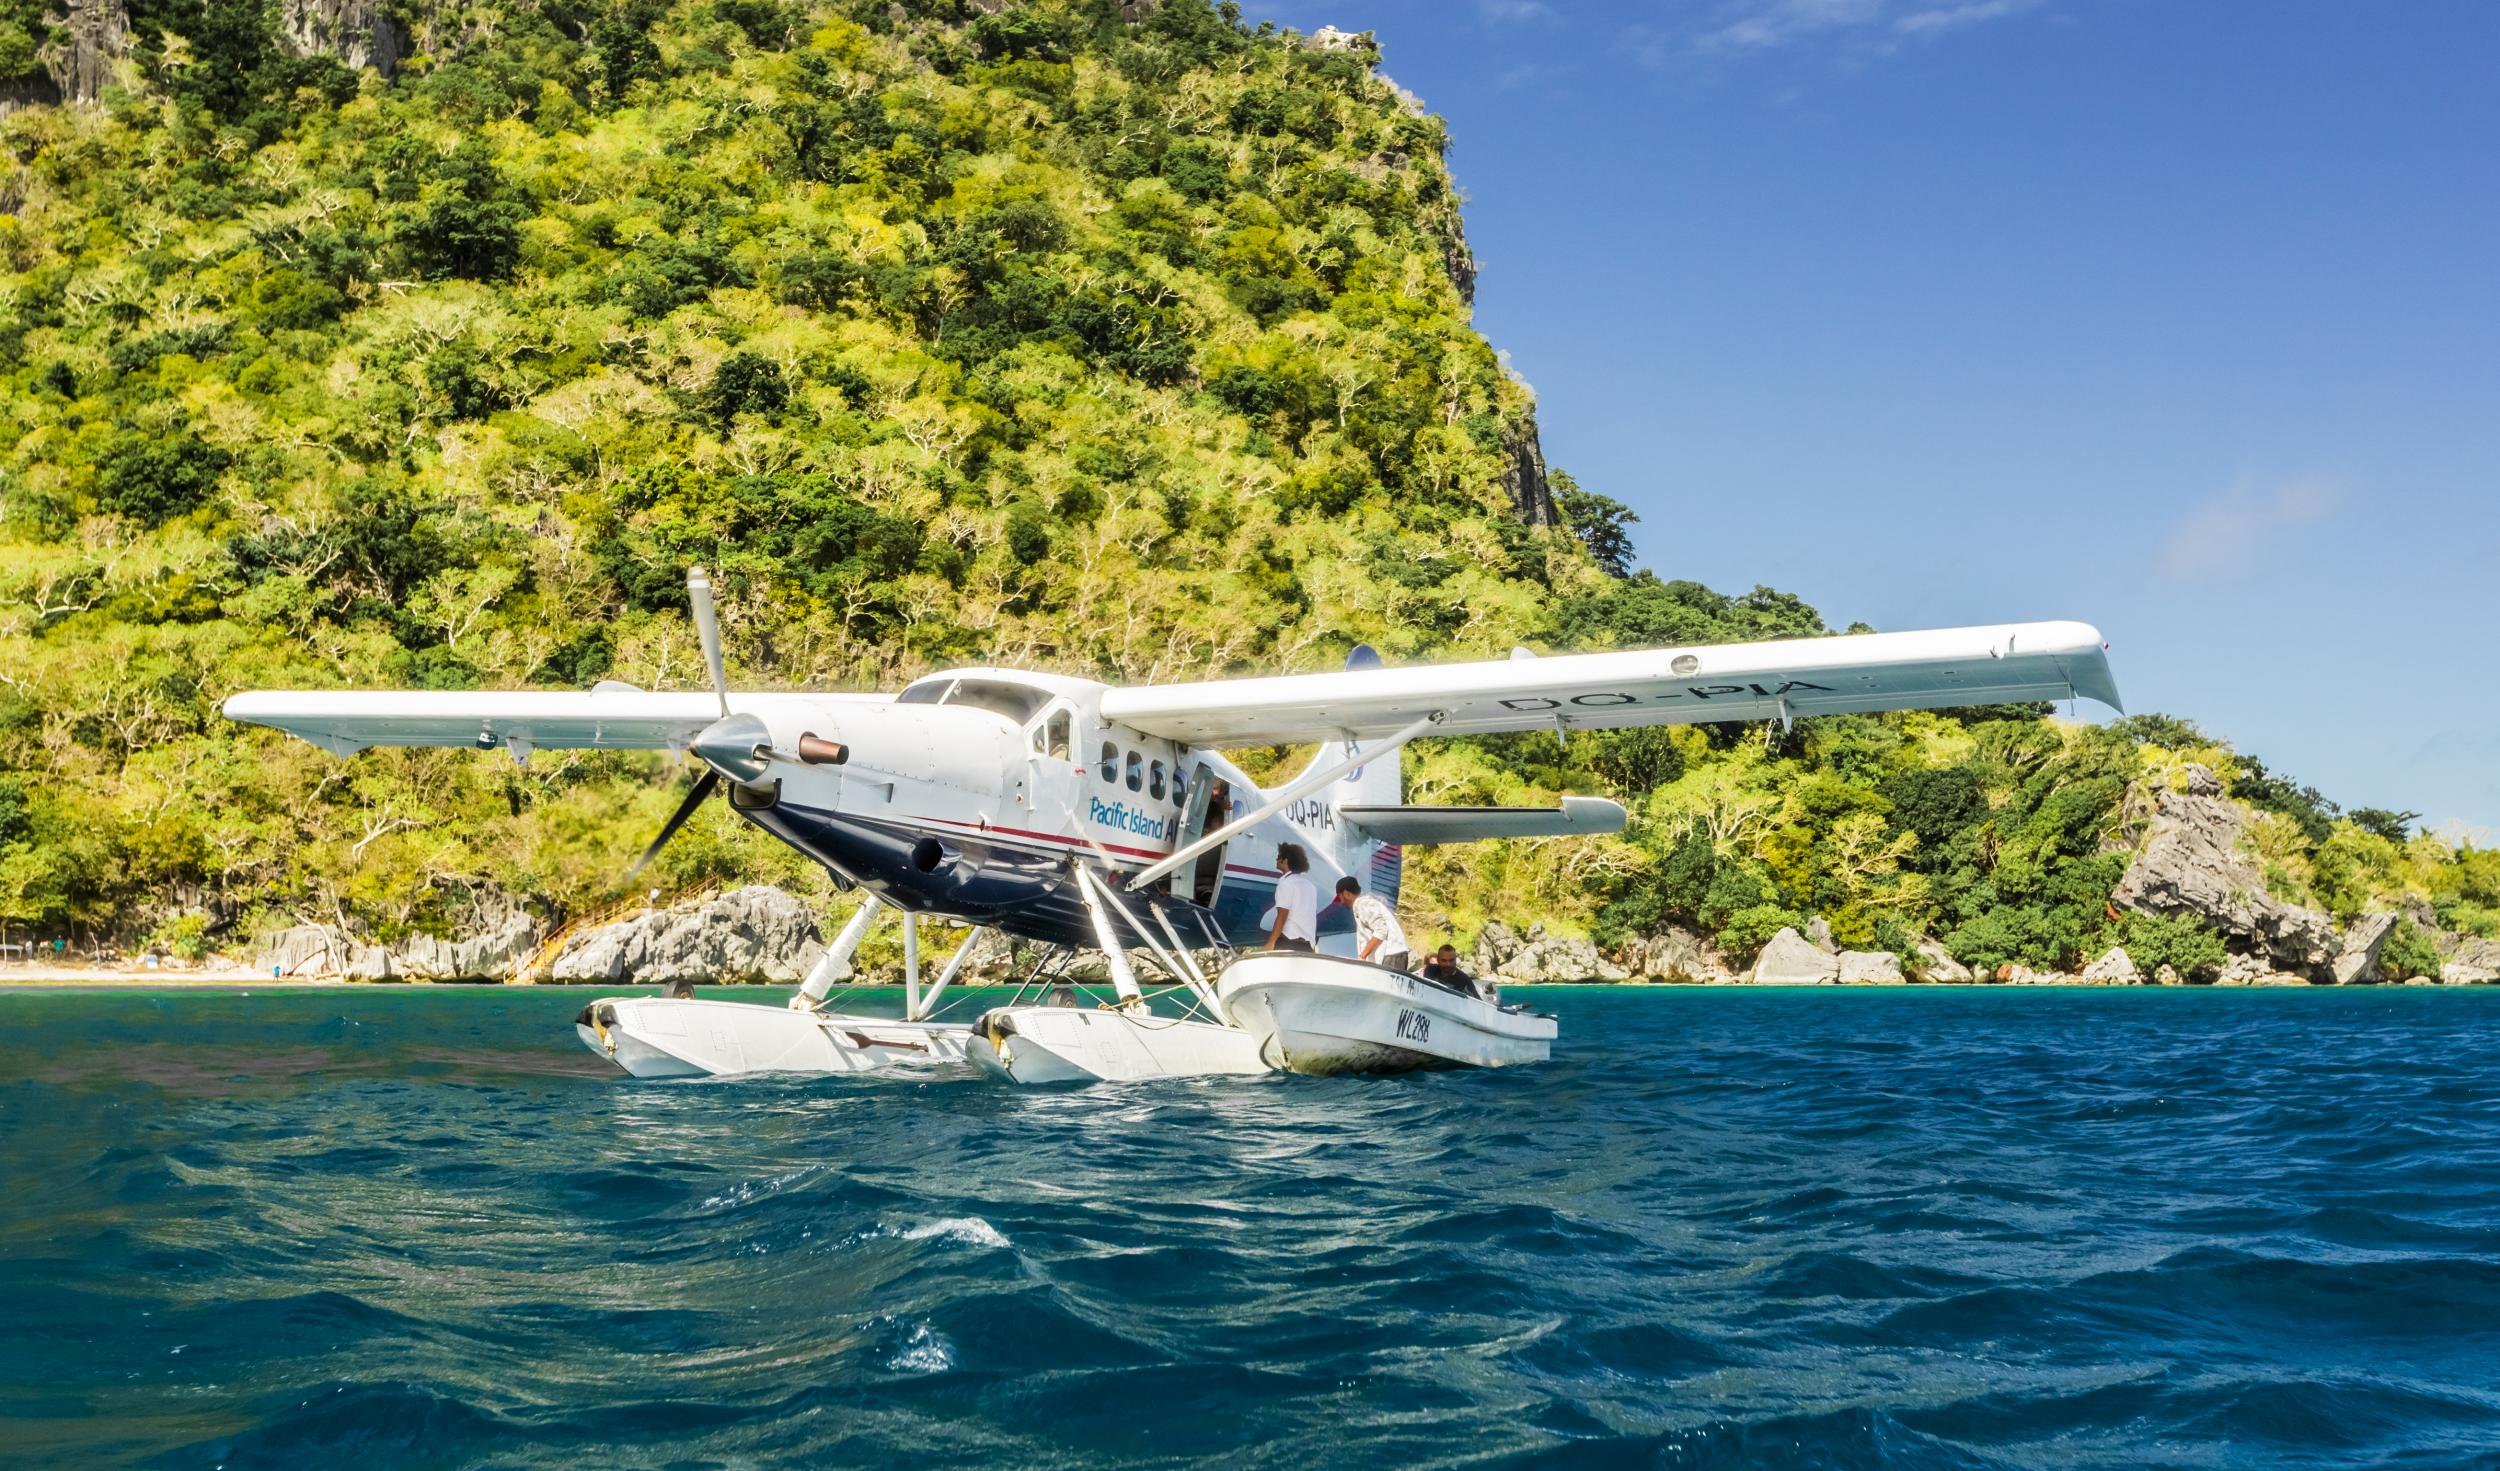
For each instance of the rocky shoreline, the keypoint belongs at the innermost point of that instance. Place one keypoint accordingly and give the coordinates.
(2191, 859)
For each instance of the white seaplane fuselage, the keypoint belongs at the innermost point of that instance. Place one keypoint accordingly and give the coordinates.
(965, 797)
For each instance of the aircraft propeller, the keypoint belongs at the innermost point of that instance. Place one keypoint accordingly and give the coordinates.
(696, 796)
(738, 746)
(727, 744)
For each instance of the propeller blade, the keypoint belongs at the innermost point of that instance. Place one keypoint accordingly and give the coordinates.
(695, 796)
(707, 628)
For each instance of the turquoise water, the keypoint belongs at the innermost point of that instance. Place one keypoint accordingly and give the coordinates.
(1925, 1228)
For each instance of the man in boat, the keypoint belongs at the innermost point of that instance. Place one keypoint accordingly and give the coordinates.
(1377, 936)
(1296, 925)
(1442, 970)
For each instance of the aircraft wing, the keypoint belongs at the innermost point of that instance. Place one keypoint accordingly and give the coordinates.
(1797, 677)
(615, 718)
(1411, 826)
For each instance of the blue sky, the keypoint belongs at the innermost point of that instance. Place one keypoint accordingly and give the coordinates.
(2180, 318)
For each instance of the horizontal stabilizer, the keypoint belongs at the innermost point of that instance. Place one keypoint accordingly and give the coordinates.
(1415, 825)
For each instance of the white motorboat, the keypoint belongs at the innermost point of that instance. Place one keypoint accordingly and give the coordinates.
(1327, 1014)
(1067, 1044)
(673, 1037)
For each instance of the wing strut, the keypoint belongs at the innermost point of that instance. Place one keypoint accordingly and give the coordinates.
(1123, 979)
(1309, 782)
(1099, 898)
(946, 977)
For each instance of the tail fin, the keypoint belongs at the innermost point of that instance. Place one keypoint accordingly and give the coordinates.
(1378, 783)
(1374, 783)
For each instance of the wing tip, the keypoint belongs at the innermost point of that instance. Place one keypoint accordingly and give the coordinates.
(1595, 814)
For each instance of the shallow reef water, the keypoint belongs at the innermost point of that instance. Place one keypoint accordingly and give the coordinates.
(1949, 1228)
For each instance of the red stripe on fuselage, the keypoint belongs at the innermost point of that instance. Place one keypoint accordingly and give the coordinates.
(1085, 843)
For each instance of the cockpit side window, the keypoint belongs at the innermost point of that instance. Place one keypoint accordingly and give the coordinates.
(1060, 737)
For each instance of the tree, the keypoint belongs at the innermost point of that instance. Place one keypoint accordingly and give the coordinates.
(1601, 522)
(2383, 822)
(2408, 953)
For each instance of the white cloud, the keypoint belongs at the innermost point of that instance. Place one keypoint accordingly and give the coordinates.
(1514, 12)
(2235, 531)
(1760, 26)
(1937, 19)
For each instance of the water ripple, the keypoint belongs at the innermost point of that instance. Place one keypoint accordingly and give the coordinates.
(1723, 1228)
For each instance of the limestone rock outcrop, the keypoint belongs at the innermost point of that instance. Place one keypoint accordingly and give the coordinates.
(1531, 494)
(2115, 968)
(2470, 962)
(1936, 963)
(1538, 956)
(360, 33)
(1793, 960)
(757, 933)
(92, 38)
(2364, 938)
(1674, 954)
(490, 954)
(323, 950)
(1868, 967)
(2191, 865)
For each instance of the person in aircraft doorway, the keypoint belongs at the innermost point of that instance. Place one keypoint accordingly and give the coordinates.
(1377, 937)
(1296, 925)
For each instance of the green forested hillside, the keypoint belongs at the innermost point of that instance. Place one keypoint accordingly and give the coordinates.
(1137, 347)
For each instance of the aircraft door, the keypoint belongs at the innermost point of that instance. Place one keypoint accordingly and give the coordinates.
(1208, 807)
(1050, 745)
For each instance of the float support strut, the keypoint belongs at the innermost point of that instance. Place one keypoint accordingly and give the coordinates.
(836, 962)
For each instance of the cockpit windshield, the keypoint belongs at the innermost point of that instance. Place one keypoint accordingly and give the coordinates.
(1018, 702)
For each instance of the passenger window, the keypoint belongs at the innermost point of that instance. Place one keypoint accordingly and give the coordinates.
(1061, 736)
(1110, 761)
(1136, 771)
(1154, 781)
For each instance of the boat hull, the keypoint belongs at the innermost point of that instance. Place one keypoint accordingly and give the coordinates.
(1322, 1014)
(1063, 1044)
(668, 1037)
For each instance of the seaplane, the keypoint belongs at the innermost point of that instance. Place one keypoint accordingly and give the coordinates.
(1081, 814)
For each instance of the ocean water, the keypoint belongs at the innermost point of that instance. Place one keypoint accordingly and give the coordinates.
(1924, 1228)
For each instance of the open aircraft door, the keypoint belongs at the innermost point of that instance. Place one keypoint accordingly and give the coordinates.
(1208, 806)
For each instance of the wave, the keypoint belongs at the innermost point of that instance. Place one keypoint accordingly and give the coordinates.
(966, 1230)
(1719, 1229)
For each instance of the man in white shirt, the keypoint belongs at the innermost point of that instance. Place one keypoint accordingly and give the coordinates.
(1378, 937)
(1296, 925)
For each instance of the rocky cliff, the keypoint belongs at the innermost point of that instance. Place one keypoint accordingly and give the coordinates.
(2193, 863)
(757, 933)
